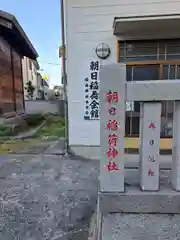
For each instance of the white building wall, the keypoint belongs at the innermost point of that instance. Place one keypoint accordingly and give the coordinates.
(88, 23)
(29, 75)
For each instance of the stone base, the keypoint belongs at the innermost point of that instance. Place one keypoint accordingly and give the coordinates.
(140, 227)
(131, 160)
(133, 200)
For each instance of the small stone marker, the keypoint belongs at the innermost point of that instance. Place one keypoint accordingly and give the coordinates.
(112, 127)
(175, 172)
(150, 144)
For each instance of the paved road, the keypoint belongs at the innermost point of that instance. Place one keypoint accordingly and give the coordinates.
(46, 197)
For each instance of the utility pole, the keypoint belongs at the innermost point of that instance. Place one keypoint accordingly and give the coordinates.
(64, 78)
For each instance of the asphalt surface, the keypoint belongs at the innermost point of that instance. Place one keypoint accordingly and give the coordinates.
(46, 197)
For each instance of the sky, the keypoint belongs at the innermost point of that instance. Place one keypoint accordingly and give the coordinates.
(41, 21)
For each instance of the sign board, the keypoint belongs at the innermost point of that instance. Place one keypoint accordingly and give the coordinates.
(129, 106)
(112, 127)
(91, 91)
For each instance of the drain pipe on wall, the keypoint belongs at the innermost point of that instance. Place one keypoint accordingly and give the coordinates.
(67, 149)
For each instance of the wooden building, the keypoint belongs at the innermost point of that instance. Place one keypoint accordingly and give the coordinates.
(14, 45)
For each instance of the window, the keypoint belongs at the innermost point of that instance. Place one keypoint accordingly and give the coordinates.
(149, 50)
(143, 72)
(150, 60)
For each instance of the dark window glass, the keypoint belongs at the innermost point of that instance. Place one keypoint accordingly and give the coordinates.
(129, 73)
(137, 58)
(142, 73)
(172, 56)
(173, 49)
(171, 72)
(141, 50)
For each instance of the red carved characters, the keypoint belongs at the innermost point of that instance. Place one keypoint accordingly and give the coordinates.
(112, 166)
(112, 126)
(150, 173)
(113, 140)
(112, 153)
(112, 97)
(152, 125)
(112, 111)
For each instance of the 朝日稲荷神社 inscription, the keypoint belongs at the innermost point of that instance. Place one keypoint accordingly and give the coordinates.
(112, 126)
(92, 91)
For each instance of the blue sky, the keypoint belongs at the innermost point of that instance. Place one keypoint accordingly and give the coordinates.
(41, 22)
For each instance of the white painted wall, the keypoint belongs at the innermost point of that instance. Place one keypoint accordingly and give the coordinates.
(88, 23)
(29, 75)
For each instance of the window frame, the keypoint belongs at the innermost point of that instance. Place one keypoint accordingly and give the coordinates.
(161, 64)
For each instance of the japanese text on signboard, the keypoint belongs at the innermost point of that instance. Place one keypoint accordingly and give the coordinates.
(92, 92)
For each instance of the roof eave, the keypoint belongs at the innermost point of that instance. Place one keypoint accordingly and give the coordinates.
(11, 18)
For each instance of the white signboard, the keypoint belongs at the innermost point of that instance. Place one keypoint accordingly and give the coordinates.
(129, 106)
(91, 88)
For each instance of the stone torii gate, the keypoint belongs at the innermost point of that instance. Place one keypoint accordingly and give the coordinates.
(114, 92)
(148, 197)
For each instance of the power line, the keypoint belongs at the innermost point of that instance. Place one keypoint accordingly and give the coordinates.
(50, 63)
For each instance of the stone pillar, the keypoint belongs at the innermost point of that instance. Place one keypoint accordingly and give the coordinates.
(150, 144)
(175, 172)
(140, 133)
(112, 126)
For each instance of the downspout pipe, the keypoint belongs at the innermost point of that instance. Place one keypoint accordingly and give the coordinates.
(67, 148)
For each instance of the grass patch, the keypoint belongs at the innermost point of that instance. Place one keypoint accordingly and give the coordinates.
(55, 126)
(5, 131)
(10, 146)
(34, 120)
